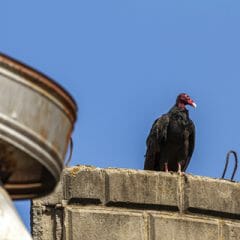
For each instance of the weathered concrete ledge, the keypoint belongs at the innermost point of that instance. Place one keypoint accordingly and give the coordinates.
(93, 203)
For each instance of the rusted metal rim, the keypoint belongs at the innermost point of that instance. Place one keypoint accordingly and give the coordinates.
(29, 190)
(43, 81)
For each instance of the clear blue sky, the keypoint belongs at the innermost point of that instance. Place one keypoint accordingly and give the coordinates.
(125, 62)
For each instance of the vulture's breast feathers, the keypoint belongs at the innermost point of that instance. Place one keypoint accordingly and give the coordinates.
(179, 122)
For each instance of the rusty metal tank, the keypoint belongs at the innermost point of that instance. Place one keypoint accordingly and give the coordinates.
(37, 117)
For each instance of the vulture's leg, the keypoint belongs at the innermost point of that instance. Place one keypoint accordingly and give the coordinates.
(166, 166)
(180, 168)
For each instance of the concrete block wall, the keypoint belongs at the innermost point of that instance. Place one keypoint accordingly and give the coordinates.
(122, 204)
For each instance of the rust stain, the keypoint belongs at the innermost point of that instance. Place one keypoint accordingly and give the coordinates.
(55, 146)
(43, 134)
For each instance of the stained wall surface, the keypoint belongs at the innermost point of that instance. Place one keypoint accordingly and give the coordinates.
(122, 204)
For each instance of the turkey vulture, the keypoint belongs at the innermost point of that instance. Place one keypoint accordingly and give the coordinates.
(170, 142)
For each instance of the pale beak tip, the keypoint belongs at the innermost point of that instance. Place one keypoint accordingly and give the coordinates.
(194, 105)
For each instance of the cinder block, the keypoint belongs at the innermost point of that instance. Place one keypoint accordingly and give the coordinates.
(43, 227)
(142, 187)
(212, 195)
(231, 231)
(182, 228)
(84, 182)
(93, 224)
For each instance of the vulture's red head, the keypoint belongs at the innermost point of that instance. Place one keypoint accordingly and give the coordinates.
(183, 99)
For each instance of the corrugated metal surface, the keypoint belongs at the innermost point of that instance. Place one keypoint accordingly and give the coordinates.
(36, 122)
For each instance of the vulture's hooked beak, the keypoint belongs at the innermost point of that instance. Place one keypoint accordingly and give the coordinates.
(192, 103)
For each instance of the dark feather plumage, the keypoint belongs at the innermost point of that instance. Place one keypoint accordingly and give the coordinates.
(171, 140)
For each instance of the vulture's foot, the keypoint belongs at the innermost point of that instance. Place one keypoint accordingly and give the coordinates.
(166, 167)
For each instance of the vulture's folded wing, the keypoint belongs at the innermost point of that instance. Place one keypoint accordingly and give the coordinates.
(191, 143)
(157, 135)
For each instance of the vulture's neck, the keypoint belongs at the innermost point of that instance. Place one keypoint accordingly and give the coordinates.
(177, 109)
(181, 105)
